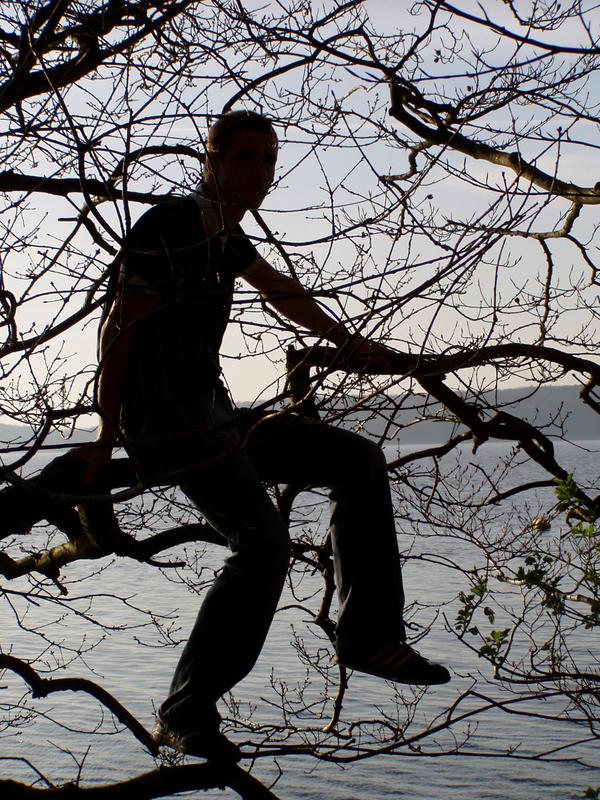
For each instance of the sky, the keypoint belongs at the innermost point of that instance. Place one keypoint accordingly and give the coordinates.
(301, 184)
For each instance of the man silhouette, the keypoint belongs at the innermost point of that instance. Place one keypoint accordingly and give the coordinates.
(160, 392)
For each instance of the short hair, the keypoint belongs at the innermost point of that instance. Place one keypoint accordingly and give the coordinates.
(221, 131)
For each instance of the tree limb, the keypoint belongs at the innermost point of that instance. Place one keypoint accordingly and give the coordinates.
(402, 100)
(42, 687)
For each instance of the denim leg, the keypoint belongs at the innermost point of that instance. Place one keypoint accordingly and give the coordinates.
(237, 611)
(365, 551)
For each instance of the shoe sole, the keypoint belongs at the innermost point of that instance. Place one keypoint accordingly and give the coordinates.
(394, 678)
(227, 752)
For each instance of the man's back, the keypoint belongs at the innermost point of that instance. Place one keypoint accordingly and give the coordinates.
(190, 271)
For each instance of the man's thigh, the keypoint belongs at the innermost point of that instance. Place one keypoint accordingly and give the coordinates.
(224, 483)
(290, 448)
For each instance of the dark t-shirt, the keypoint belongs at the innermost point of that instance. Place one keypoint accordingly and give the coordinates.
(175, 349)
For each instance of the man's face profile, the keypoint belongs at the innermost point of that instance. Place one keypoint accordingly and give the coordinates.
(243, 174)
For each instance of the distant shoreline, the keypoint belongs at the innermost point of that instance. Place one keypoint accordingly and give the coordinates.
(548, 408)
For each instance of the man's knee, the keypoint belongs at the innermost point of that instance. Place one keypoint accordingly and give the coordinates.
(271, 545)
(279, 543)
(371, 455)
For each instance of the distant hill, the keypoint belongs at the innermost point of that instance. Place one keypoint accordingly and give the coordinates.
(411, 418)
(20, 436)
(549, 408)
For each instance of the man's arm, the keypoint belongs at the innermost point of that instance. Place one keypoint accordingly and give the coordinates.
(130, 305)
(292, 300)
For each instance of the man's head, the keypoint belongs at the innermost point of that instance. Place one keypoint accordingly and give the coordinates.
(241, 153)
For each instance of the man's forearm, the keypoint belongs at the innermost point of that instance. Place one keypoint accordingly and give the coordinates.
(115, 347)
(116, 336)
(292, 300)
(304, 311)
(300, 307)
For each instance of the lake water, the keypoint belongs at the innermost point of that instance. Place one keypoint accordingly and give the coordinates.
(135, 664)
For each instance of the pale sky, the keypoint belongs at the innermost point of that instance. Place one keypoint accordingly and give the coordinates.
(262, 376)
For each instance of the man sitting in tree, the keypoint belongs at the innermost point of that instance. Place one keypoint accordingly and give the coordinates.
(160, 392)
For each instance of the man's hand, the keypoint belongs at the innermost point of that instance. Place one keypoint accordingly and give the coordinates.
(91, 458)
(97, 457)
(288, 297)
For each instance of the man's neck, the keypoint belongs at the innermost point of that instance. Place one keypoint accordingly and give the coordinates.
(229, 215)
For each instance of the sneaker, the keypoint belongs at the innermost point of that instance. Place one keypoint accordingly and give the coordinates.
(211, 745)
(395, 662)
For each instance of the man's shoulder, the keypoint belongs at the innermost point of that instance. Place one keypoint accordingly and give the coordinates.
(160, 239)
(240, 242)
(176, 213)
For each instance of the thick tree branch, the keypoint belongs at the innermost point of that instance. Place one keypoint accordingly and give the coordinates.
(14, 182)
(490, 25)
(429, 373)
(42, 687)
(24, 84)
(403, 107)
(161, 782)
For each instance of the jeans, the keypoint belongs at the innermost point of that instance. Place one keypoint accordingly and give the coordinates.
(224, 480)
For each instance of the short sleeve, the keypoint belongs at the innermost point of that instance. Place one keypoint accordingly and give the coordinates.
(241, 249)
(151, 247)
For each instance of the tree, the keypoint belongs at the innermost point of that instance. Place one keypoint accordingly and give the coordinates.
(385, 125)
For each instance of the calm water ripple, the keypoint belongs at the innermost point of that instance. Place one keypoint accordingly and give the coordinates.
(137, 670)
